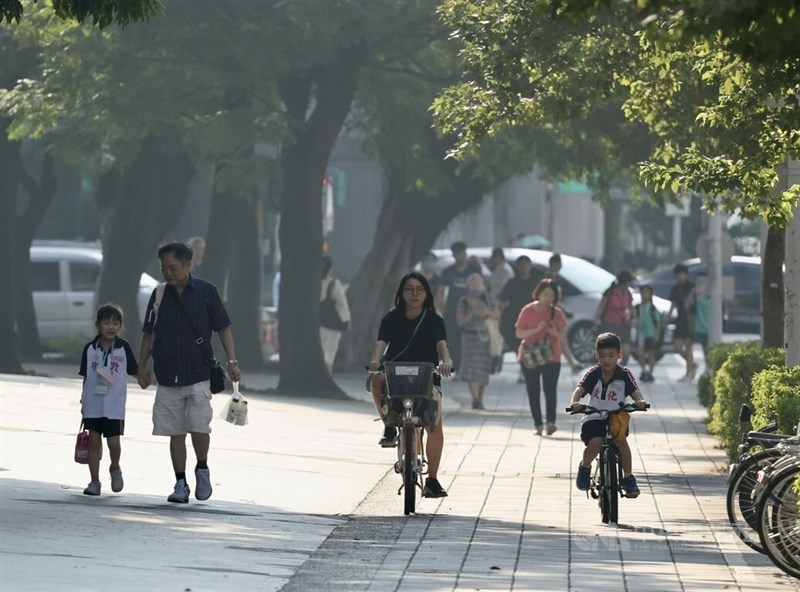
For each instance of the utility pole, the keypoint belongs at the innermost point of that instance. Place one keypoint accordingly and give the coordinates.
(792, 278)
(714, 264)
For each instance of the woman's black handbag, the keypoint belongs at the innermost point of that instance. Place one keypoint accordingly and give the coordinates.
(328, 315)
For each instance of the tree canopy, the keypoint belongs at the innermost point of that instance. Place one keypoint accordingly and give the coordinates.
(713, 117)
(101, 12)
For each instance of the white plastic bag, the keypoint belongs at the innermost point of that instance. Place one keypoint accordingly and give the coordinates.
(235, 409)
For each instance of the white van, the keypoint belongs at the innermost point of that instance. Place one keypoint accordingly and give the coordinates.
(64, 279)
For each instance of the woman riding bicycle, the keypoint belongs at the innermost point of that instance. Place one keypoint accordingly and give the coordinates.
(413, 332)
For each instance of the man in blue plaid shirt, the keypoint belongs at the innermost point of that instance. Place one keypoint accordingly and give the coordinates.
(183, 398)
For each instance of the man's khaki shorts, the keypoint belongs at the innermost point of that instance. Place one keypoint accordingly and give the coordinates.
(179, 410)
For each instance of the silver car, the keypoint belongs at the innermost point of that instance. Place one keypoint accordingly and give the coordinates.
(64, 280)
(582, 286)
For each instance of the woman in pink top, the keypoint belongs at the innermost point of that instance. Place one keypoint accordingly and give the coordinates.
(615, 314)
(542, 318)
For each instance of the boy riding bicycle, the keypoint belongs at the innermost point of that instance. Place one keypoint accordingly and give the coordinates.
(608, 384)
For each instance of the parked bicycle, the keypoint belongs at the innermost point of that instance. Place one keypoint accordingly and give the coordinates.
(777, 499)
(410, 405)
(606, 482)
(756, 451)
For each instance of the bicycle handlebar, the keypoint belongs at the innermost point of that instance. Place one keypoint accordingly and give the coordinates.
(588, 409)
(381, 369)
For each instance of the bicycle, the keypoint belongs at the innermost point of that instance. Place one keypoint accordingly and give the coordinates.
(409, 405)
(777, 509)
(606, 481)
(742, 477)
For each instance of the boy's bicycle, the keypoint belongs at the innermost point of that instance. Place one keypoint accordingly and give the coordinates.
(409, 406)
(606, 483)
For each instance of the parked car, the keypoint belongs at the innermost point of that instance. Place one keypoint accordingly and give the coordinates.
(582, 285)
(64, 279)
(741, 312)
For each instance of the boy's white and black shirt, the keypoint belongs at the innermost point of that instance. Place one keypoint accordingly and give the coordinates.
(607, 395)
(105, 386)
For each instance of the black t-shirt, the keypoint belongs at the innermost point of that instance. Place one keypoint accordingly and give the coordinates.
(456, 281)
(517, 292)
(396, 330)
(678, 296)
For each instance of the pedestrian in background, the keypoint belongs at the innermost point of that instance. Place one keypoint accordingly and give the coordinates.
(648, 329)
(198, 246)
(452, 287)
(474, 308)
(615, 312)
(514, 295)
(105, 363)
(500, 270)
(541, 319)
(680, 297)
(183, 398)
(329, 336)
(554, 268)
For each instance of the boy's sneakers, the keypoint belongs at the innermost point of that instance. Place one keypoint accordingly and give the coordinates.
(433, 488)
(116, 481)
(630, 486)
(584, 478)
(389, 439)
(92, 489)
(203, 489)
(181, 493)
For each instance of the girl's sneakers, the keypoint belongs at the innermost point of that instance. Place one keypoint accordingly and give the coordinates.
(93, 488)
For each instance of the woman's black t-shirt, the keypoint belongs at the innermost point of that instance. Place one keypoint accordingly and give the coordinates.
(396, 330)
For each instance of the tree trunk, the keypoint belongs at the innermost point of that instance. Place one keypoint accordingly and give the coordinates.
(244, 283)
(407, 228)
(220, 238)
(141, 204)
(303, 160)
(9, 180)
(40, 196)
(772, 294)
(20, 330)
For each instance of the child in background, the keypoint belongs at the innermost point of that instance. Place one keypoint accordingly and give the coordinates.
(648, 326)
(104, 363)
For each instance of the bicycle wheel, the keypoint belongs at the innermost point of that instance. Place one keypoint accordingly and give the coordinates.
(602, 476)
(612, 487)
(409, 472)
(740, 502)
(779, 521)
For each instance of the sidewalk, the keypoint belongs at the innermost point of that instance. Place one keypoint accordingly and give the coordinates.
(305, 500)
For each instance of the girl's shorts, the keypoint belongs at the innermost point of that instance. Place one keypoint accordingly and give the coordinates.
(107, 427)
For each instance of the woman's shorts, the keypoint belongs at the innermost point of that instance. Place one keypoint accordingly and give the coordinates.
(179, 410)
(595, 429)
(107, 427)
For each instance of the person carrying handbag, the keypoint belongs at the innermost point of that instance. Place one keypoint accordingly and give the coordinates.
(177, 334)
(334, 313)
(540, 327)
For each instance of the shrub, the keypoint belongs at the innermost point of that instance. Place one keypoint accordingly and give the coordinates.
(776, 394)
(732, 387)
(717, 354)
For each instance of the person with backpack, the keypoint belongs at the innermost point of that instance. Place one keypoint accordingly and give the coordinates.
(649, 328)
(334, 313)
(615, 312)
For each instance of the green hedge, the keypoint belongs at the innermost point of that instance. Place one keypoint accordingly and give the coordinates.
(732, 387)
(776, 394)
(717, 354)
